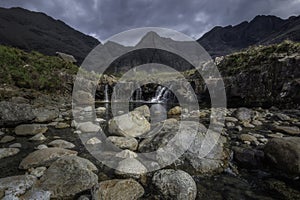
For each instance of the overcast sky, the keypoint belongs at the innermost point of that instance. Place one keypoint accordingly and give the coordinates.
(104, 18)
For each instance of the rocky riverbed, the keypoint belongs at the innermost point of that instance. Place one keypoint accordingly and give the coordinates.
(42, 157)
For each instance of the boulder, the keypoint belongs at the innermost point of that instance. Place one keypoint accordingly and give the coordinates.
(284, 154)
(243, 114)
(247, 157)
(126, 189)
(291, 130)
(38, 137)
(215, 161)
(44, 115)
(44, 157)
(131, 167)
(83, 98)
(144, 111)
(12, 114)
(15, 186)
(132, 124)
(88, 127)
(7, 139)
(7, 152)
(61, 144)
(68, 176)
(175, 111)
(124, 142)
(30, 129)
(175, 184)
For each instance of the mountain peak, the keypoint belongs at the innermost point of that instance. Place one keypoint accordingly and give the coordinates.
(263, 29)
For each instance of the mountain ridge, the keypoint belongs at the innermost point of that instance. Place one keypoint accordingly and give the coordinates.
(29, 30)
(262, 30)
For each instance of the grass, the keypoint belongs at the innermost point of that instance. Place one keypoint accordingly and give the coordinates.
(33, 70)
(256, 56)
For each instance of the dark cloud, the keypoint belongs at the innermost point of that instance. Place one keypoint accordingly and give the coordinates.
(103, 18)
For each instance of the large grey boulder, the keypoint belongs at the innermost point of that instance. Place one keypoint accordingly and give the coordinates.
(68, 176)
(15, 186)
(132, 124)
(214, 160)
(284, 154)
(174, 184)
(12, 114)
(118, 189)
(44, 157)
(30, 129)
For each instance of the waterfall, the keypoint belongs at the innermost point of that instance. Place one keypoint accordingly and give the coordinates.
(138, 94)
(106, 97)
(160, 95)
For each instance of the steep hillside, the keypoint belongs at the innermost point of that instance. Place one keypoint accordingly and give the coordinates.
(36, 31)
(35, 71)
(261, 30)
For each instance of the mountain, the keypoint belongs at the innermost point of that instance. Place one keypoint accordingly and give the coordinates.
(36, 31)
(262, 30)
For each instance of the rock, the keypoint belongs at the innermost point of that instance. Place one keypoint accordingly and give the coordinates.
(173, 184)
(94, 141)
(62, 125)
(61, 144)
(68, 176)
(12, 114)
(38, 172)
(243, 114)
(7, 139)
(144, 111)
(13, 187)
(42, 146)
(132, 124)
(275, 135)
(44, 157)
(66, 57)
(215, 161)
(231, 119)
(292, 130)
(30, 129)
(38, 137)
(116, 189)
(88, 127)
(282, 117)
(7, 152)
(247, 157)
(83, 98)
(101, 111)
(131, 167)
(123, 142)
(126, 154)
(15, 145)
(247, 137)
(248, 125)
(19, 100)
(35, 194)
(284, 154)
(175, 111)
(257, 123)
(44, 115)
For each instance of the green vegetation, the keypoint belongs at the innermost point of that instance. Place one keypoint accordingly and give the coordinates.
(254, 57)
(34, 70)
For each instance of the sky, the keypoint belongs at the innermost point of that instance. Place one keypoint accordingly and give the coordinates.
(105, 18)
